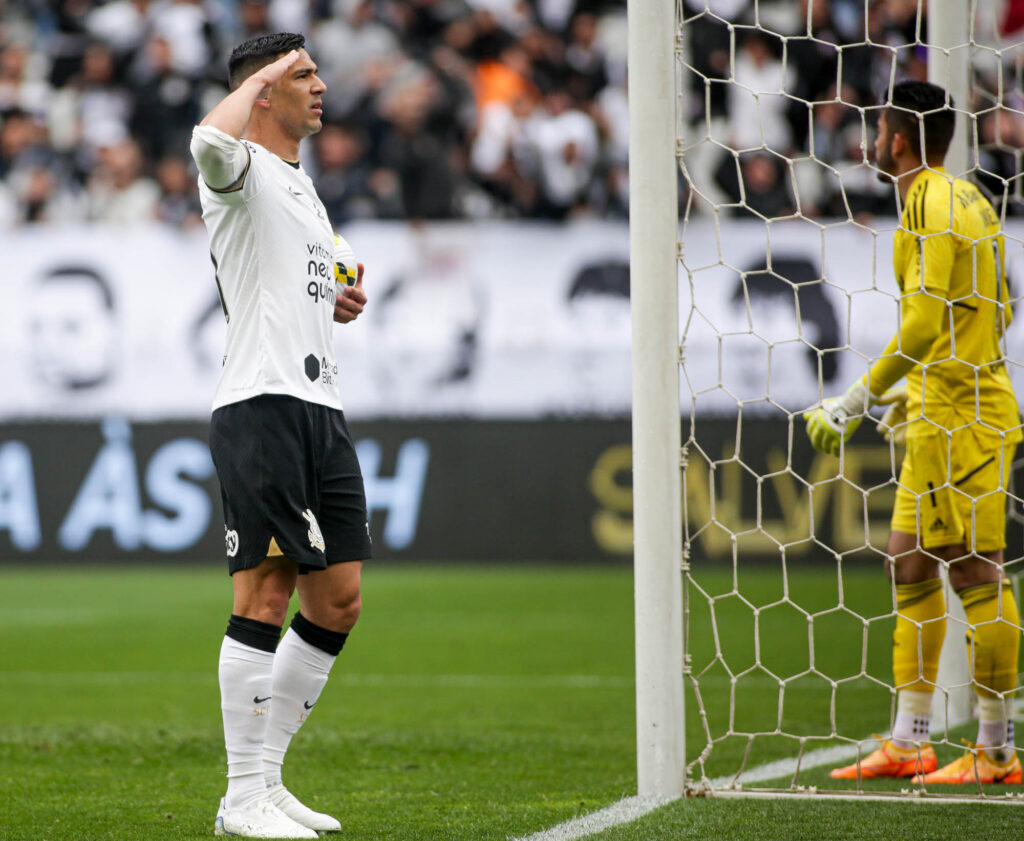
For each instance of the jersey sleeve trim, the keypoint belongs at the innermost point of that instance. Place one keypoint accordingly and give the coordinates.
(223, 160)
(234, 188)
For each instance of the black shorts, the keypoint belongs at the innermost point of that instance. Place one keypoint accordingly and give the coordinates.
(288, 470)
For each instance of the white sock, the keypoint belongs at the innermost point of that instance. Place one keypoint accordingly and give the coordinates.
(300, 673)
(245, 681)
(995, 727)
(913, 719)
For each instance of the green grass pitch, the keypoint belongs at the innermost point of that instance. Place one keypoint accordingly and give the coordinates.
(472, 702)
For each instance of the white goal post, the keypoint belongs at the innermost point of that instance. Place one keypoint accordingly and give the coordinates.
(653, 232)
(659, 106)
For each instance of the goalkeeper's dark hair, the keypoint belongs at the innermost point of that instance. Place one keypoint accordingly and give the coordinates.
(921, 104)
(258, 52)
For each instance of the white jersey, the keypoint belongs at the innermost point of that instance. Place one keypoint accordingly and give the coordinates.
(273, 251)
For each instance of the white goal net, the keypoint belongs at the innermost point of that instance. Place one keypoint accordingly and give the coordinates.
(787, 294)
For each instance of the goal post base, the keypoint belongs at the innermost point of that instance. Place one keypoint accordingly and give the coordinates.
(902, 796)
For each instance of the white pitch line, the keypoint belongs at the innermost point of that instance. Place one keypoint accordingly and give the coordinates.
(624, 811)
(787, 767)
(631, 808)
(822, 756)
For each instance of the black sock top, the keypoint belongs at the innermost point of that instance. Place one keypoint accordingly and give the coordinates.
(330, 642)
(252, 632)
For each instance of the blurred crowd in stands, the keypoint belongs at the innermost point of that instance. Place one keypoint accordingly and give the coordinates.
(756, 151)
(466, 109)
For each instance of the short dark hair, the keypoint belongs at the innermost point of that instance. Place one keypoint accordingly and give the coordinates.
(921, 104)
(251, 55)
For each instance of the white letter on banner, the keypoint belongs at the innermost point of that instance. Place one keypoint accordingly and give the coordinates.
(400, 495)
(167, 487)
(109, 497)
(19, 510)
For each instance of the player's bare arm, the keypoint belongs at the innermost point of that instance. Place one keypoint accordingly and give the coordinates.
(231, 115)
(352, 301)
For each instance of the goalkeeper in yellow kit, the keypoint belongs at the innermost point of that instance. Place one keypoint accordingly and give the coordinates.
(961, 428)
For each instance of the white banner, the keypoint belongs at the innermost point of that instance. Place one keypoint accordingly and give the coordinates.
(480, 320)
(772, 306)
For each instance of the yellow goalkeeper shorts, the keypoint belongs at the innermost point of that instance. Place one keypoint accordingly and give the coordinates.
(952, 491)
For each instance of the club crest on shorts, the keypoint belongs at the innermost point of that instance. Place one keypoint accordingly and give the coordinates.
(230, 542)
(316, 539)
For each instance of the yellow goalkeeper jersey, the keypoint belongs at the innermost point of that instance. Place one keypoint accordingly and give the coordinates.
(949, 259)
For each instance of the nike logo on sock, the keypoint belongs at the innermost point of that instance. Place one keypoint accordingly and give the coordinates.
(308, 705)
(258, 700)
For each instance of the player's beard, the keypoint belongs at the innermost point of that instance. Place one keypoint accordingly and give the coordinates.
(886, 166)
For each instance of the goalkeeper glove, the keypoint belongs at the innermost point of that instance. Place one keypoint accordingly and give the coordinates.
(837, 418)
(893, 425)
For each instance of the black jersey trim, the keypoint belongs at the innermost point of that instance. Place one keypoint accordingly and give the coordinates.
(220, 289)
(240, 181)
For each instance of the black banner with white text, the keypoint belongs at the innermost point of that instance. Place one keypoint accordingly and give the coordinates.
(456, 490)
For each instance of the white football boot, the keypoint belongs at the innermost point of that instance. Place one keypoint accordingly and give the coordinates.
(261, 819)
(294, 809)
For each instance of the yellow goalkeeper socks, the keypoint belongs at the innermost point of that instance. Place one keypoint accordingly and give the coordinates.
(920, 630)
(993, 636)
(993, 643)
(917, 643)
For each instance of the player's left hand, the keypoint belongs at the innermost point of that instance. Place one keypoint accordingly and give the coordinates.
(837, 418)
(347, 307)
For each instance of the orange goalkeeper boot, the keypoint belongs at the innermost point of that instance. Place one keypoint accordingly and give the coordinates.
(890, 761)
(975, 766)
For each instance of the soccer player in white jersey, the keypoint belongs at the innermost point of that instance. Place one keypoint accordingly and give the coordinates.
(294, 503)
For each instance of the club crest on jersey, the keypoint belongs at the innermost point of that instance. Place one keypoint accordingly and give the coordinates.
(230, 542)
(316, 538)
